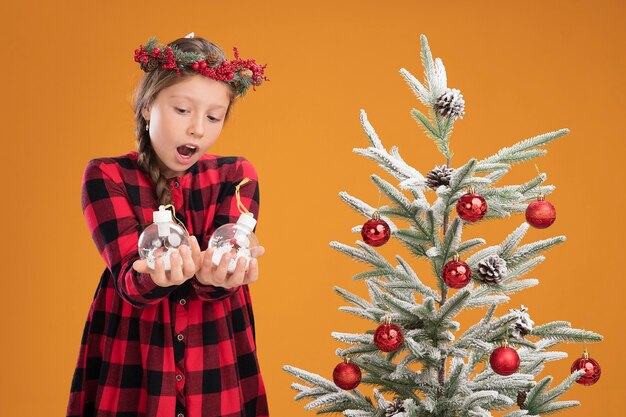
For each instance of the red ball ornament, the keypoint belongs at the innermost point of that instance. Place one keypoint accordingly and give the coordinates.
(591, 368)
(375, 232)
(471, 207)
(388, 337)
(504, 360)
(347, 375)
(540, 213)
(456, 273)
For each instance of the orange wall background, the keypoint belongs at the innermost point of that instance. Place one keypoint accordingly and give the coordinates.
(524, 68)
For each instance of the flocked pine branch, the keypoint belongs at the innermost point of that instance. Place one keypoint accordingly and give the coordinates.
(439, 372)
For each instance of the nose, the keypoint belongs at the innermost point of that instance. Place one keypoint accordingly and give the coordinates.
(196, 127)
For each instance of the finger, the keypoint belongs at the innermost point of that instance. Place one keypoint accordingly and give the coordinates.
(176, 268)
(158, 275)
(253, 272)
(189, 266)
(141, 266)
(193, 243)
(206, 267)
(196, 254)
(220, 273)
(238, 275)
(201, 269)
(257, 251)
(207, 259)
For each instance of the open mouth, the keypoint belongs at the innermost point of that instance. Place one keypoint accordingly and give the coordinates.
(187, 151)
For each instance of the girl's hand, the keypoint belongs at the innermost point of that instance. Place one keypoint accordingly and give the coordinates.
(184, 263)
(219, 276)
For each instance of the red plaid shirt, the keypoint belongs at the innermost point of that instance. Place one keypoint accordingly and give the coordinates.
(179, 351)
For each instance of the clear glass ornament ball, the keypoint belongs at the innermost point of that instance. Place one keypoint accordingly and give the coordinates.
(153, 245)
(235, 239)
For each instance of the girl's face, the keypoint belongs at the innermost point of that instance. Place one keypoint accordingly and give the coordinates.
(185, 120)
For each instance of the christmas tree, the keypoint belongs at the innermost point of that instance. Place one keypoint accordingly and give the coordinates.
(417, 360)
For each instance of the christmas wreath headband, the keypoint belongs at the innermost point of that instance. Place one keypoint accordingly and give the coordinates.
(240, 73)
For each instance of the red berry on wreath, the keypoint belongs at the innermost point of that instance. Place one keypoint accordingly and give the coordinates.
(591, 368)
(347, 375)
(540, 213)
(388, 337)
(375, 232)
(504, 360)
(471, 207)
(456, 273)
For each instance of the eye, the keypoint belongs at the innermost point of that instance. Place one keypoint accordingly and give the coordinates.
(179, 110)
(213, 119)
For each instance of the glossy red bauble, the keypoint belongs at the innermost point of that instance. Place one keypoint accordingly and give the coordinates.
(388, 337)
(540, 213)
(504, 360)
(456, 274)
(471, 207)
(347, 375)
(376, 232)
(591, 368)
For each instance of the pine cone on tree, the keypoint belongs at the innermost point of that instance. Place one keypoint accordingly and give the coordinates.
(394, 408)
(451, 104)
(523, 325)
(521, 398)
(491, 270)
(439, 176)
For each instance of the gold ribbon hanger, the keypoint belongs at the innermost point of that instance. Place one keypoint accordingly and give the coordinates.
(176, 219)
(242, 208)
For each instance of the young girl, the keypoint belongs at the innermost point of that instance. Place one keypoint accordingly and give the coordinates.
(181, 342)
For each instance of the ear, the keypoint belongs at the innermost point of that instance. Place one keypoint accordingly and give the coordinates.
(145, 112)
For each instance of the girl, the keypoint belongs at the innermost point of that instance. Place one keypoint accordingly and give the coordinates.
(181, 342)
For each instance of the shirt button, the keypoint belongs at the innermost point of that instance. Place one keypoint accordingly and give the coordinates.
(180, 337)
(182, 301)
(176, 184)
(179, 377)
(180, 415)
